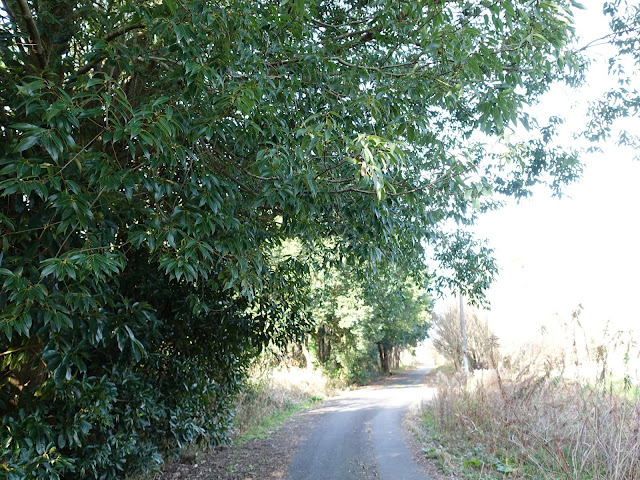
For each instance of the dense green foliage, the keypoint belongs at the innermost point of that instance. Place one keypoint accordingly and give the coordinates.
(154, 156)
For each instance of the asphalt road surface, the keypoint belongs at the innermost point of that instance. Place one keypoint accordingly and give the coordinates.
(360, 435)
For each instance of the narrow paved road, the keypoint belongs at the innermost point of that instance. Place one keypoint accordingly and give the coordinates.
(360, 436)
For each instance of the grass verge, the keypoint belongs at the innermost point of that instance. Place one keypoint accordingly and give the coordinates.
(272, 395)
(263, 427)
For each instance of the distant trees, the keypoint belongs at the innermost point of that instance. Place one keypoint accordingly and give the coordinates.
(364, 323)
(447, 339)
(155, 155)
(401, 310)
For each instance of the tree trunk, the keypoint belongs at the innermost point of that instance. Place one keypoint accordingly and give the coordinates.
(396, 357)
(384, 354)
(323, 345)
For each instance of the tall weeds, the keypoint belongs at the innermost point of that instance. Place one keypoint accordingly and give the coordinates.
(534, 420)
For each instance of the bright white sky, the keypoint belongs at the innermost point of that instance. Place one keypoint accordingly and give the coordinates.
(582, 249)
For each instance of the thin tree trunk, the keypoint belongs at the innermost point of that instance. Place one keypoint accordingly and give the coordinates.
(383, 353)
(463, 331)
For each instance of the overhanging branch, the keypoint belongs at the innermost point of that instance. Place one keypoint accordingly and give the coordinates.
(108, 37)
(34, 35)
(121, 31)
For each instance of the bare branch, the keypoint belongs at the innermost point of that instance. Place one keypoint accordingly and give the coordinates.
(333, 167)
(319, 23)
(339, 180)
(428, 186)
(366, 67)
(410, 63)
(606, 39)
(91, 65)
(355, 190)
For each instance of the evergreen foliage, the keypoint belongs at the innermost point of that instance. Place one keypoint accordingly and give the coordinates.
(155, 154)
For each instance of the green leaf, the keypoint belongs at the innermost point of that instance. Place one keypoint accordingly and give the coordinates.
(25, 143)
(48, 269)
(24, 126)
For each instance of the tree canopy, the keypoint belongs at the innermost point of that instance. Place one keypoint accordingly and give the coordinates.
(366, 321)
(154, 155)
(622, 100)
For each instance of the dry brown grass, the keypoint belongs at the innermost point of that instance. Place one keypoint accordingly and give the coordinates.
(271, 394)
(532, 420)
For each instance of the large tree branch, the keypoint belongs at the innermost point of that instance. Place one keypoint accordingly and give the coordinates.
(34, 35)
(121, 31)
(320, 23)
(108, 37)
(364, 32)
